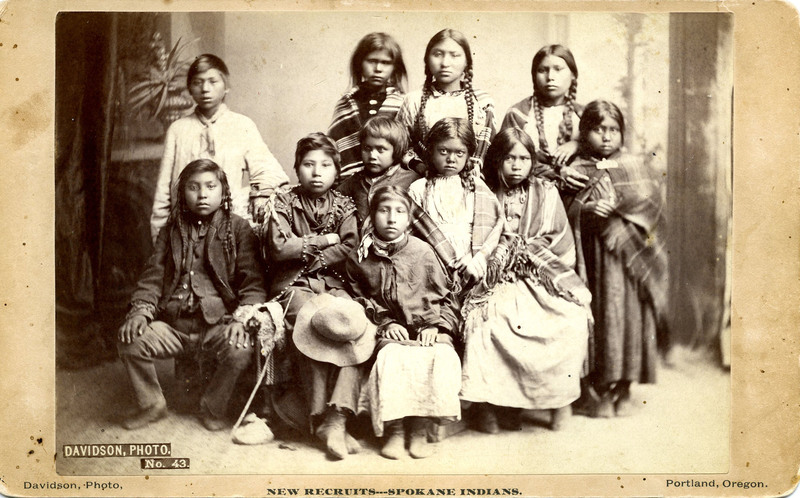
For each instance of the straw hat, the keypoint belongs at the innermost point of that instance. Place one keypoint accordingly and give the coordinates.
(334, 330)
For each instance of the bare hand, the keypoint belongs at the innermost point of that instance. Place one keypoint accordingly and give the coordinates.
(258, 209)
(236, 334)
(132, 328)
(332, 239)
(475, 269)
(427, 337)
(601, 208)
(565, 151)
(396, 332)
(575, 180)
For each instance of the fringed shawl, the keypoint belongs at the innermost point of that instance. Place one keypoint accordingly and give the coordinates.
(543, 248)
(488, 220)
(634, 233)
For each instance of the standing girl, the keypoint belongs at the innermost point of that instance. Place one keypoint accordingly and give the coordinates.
(401, 283)
(466, 211)
(526, 336)
(448, 92)
(377, 81)
(215, 132)
(551, 115)
(616, 220)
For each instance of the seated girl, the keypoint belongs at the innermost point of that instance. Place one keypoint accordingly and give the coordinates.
(309, 233)
(416, 375)
(526, 337)
(460, 204)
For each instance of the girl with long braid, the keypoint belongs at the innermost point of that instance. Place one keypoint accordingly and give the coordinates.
(551, 115)
(448, 93)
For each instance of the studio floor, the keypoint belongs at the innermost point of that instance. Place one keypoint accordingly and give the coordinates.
(679, 425)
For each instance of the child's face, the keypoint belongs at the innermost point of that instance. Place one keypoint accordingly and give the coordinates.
(447, 62)
(377, 154)
(208, 89)
(203, 193)
(448, 158)
(390, 219)
(316, 172)
(605, 138)
(377, 68)
(553, 79)
(516, 165)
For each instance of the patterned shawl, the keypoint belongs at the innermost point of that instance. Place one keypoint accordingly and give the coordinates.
(346, 124)
(543, 248)
(633, 232)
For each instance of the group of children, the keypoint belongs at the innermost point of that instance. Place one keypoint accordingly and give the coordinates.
(425, 262)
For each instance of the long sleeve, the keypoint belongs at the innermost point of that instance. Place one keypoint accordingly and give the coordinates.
(348, 235)
(151, 283)
(162, 202)
(265, 171)
(249, 275)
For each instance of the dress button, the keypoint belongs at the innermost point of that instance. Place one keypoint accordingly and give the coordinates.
(191, 272)
(373, 111)
(185, 286)
(373, 102)
(510, 218)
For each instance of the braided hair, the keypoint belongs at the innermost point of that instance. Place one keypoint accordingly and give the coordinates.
(565, 128)
(181, 213)
(446, 129)
(427, 87)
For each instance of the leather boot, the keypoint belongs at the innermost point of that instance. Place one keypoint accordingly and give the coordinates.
(332, 432)
(395, 436)
(419, 447)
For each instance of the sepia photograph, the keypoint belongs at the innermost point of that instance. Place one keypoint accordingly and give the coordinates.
(566, 300)
(366, 248)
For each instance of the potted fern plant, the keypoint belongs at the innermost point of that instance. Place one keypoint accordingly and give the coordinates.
(161, 88)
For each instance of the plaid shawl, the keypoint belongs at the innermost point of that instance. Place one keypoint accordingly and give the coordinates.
(485, 126)
(346, 123)
(543, 248)
(488, 220)
(632, 233)
(517, 117)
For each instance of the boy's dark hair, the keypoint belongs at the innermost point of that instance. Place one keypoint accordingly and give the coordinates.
(384, 193)
(501, 146)
(372, 43)
(593, 115)
(445, 129)
(317, 141)
(203, 63)
(388, 129)
(181, 211)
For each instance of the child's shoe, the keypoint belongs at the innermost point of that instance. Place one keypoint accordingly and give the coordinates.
(146, 416)
(487, 419)
(394, 448)
(605, 409)
(332, 432)
(623, 406)
(418, 446)
(559, 417)
(509, 418)
(210, 421)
